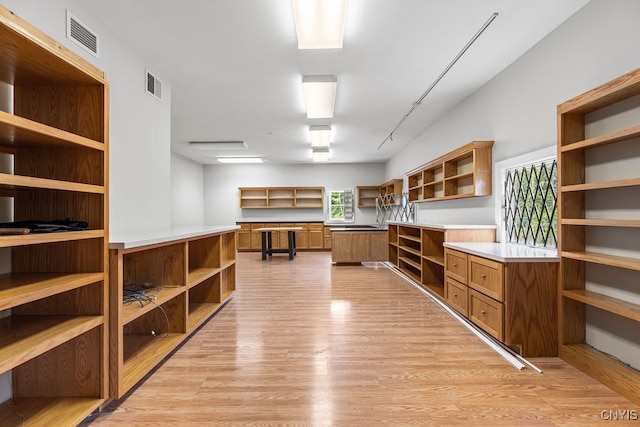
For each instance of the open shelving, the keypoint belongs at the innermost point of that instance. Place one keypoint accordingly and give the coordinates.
(598, 229)
(464, 172)
(281, 197)
(418, 250)
(53, 337)
(189, 278)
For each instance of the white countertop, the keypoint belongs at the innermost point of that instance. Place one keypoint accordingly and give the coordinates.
(505, 252)
(134, 239)
(446, 226)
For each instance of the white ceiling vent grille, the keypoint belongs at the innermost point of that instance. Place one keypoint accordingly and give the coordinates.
(154, 86)
(82, 35)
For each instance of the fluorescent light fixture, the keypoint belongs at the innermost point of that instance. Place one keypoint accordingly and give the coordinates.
(218, 145)
(320, 23)
(320, 135)
(239, 159)
(320, 154)
(319, 96)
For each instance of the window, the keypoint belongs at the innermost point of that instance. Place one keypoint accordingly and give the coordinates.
(529, 201)
(340, 205)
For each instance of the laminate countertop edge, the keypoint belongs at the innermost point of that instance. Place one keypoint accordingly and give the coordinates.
(134, 239)
(505, 252)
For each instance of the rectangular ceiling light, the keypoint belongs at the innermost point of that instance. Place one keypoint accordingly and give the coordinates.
(319, 96)
(218, 145)
(239, 159)
(320, 135)
(320, 155)
(320, 23)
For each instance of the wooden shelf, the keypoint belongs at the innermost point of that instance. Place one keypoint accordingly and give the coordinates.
(613, 305)
(24, 337)
(464, 172)
(21, 288)
(281, 197)
(578, 265)
(598, 258)
(419, 251)
(57, 291)
(194, 277)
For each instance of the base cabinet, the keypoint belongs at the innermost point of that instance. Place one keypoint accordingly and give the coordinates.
(515, 302)
(311, 237)
(359, 246)
(161, 293)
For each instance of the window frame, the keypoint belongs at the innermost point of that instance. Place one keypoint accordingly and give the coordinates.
(331, 220)
(500, 168)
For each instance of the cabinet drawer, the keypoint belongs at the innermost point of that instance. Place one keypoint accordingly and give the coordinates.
(304, 225)
(487, 313)
(456, 265)
(456, 296)
(486, 276)
(244, 227)
(255, 226)
(316, 226)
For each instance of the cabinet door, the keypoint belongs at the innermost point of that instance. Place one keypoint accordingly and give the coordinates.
(486, 276)
(456, 265)
(316, 237)
(256, 236)
(456, 295)
(302, 236)
(487, 313)
(378, 249)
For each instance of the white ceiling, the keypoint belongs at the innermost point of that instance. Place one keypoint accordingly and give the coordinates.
(236, 72)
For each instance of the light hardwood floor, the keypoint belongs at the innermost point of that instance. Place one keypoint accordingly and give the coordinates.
(305, 343)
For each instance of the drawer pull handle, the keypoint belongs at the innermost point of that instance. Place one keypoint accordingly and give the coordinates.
(484, 276)
(455, 265)
(455, 295)
(483, 312)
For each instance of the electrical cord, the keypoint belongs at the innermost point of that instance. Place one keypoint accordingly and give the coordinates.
(144, 294)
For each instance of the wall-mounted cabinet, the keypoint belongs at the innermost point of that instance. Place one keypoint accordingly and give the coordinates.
(367, 194)
(281, 197)
(54, 144)
(418, 251)
(163, 289)
(464, 172)
(598, 206)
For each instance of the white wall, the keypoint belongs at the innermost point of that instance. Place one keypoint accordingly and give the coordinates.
(187, 192)
(222, 198)
(140, 125)
(517, 109)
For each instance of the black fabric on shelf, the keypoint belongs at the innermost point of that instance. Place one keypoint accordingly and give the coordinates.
(48, 226)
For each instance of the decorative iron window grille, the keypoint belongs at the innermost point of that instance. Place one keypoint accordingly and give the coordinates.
(530, 204)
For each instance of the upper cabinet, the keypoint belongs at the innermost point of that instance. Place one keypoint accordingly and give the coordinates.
(464, 172)
(367, 194)
(53, 139)
(281, 197)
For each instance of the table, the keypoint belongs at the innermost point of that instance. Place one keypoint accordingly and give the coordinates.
(267, 248)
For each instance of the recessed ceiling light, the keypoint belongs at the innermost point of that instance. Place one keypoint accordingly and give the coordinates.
(218, 145)
(239, 159)
(320, 23)
(319, 96)
(320, 155)
(320, 135)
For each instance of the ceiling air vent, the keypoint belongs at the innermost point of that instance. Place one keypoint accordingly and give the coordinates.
(154, 86)
(81, 35)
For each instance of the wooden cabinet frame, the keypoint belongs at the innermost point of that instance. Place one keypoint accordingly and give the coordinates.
(464, 172)
(578, 196)
(281, 197)
(54, 340)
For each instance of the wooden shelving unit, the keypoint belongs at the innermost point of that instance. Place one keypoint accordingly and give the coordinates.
(54, 338)
(418, 251)
(597, 227)
(464, 172)
(367, 194)
(281, 197)
(191, 278)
